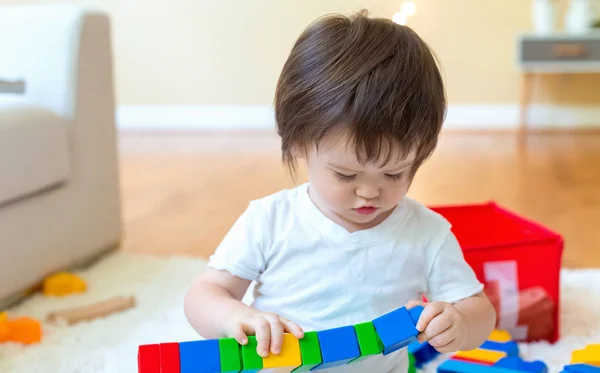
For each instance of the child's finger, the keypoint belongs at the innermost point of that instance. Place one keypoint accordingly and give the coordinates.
(276, 333)
(239, 335)
(292, 327)
(444, 338)
(262, 330)
(430, 311)
(436, 327)
(414, 303)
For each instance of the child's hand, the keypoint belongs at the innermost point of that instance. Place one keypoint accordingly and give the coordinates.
(268, 328)
(442, 325)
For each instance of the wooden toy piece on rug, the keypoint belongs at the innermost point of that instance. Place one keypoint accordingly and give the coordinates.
(505, 365)
(590, 355)
(62, 284)
(92, 311)
(23, 330)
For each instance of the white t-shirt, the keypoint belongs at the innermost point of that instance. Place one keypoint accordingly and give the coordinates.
(314, 272)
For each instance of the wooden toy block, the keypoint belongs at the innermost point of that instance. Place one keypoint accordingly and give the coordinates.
(200, 356)
(397, 329)
(310, 352)
(63, 283)
(92, 311)
(3, 317)
(500, 336)
(457, 366)
(518, 364)
(589, 355)
(481, 355)
(24, 330)
(368, 341)
(287, 360)
(338, 346)
(581, 368)
(149, 358)
(252, 362)
(423, 352)
(169, 357)
(511, 348)
(229, 353)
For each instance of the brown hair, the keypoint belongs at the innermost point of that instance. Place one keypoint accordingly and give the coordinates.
(376, 77)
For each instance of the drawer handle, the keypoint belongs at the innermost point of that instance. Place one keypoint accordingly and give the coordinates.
(568, 50)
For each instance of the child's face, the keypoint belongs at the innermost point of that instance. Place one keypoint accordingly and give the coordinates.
(354, 195)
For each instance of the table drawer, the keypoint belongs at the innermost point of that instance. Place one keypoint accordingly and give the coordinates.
(548, 50)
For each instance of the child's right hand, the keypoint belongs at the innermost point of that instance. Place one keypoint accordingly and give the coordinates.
(268, 328)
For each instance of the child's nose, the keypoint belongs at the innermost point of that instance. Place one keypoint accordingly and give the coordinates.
(367, 191)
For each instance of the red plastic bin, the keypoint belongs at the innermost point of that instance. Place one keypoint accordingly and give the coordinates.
(519, 262)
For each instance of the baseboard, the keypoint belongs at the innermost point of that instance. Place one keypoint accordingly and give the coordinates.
(459, 117)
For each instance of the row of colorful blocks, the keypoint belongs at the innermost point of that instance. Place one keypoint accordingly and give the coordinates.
(316, 350)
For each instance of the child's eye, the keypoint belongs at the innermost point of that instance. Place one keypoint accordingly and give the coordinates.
(345, 178)
(395, 177)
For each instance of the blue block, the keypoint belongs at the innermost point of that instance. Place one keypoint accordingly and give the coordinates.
(423, 352)
(518, 364)
(511, 348)
(338, 346)
(200, 356)
(397, 328)
(581, 368)
(457, 366)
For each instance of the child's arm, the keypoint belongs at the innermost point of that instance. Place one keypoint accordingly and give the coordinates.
(464, 325)
(214, 309)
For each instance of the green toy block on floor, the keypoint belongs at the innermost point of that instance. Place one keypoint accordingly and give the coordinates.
(229, 351)
(368, 341)
(252, 362)
(310, 351)
(412, 363)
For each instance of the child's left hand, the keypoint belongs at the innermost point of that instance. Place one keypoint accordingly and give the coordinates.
(442, 325)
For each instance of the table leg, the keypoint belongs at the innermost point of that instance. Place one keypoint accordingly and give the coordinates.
(525, 98)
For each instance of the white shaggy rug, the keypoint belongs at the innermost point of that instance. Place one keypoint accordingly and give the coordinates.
(109, 345)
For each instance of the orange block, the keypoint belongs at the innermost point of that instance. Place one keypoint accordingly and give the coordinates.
(589, 355)
(24, 330)
(288, 359)
(482, 355)
(4, 332)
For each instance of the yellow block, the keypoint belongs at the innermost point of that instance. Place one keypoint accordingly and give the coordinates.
(500, 336)
(589, 355)
(3, 316)
(64, 283)
(481, 355)
(288, 359)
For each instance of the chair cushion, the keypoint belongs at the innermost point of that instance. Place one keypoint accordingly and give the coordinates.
(34, 148)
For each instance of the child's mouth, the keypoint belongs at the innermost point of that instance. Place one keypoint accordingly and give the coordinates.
(367, 210)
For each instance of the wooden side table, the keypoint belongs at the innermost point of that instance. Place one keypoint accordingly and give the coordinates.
(559, 53)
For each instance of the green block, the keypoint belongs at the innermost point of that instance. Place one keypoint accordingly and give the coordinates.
(251, 360)
(412, 363)
(368, 341)
(310, 351)
(229, 351)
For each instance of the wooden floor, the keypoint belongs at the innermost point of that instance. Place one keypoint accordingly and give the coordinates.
(181, 193)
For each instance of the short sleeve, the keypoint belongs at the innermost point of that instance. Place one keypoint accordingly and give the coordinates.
(451, 278)
(241, 252)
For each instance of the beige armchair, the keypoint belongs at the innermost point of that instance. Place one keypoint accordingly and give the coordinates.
(59, 189)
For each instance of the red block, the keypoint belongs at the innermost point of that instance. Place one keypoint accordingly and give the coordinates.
(491, 235)
(471, 361)
(149, 358)
(169, 357)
